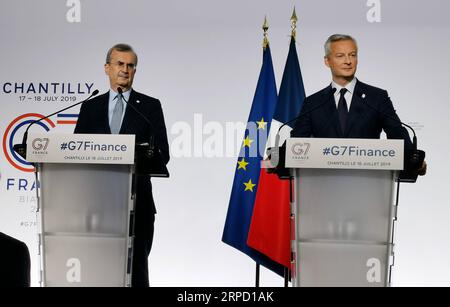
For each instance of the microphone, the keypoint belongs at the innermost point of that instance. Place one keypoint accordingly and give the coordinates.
(275, 153)
(362, 95)
(148, 158)
(415, 157)
(151, 148)
(277, 137)
(21, 148)
(120, 91)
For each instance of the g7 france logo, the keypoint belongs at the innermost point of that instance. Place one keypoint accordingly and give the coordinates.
(13, 135)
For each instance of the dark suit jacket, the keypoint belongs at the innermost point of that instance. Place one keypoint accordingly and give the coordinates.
(93, 119)
(371, 111)
(14, 262)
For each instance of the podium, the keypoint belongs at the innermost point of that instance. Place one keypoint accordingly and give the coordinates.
(85, 208)
(343, 209)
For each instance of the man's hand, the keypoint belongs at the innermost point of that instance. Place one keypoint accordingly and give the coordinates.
(423, 169)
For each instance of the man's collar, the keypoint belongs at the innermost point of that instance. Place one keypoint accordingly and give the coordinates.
(113, 94)
(350, 86)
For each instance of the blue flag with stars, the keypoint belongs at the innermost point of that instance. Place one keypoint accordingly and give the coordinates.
(248, 166)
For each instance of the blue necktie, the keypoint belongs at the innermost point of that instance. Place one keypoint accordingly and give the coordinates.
(116, 121)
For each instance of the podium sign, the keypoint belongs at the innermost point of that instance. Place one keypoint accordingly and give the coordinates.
(344, 153)
(81, 148)
(85, 208)
(343, 210)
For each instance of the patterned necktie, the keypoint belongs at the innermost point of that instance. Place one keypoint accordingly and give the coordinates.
(342, 109)
(117, 116)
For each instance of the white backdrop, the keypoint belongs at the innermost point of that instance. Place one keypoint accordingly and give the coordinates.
(201, 58)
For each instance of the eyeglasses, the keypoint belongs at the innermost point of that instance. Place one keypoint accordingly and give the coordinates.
(122, 65)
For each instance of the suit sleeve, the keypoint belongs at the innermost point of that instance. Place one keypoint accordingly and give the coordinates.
(161, 133)
(82, 122)
(25, 265)
(302, 127)
(391, 122)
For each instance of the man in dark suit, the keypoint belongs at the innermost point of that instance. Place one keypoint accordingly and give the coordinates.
(348, 108)
(108, 114)
(14, 262)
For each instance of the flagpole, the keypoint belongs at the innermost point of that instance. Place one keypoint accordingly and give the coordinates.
(294, 19)
(286, 277)
(287, 271)
(257, 275)
(265, 28)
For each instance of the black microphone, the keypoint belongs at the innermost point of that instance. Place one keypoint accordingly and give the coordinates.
(275, 153)
(120, 91)
(415, 157)
(277, 137)
(149, 160)
(21, 148)
(362, 95)
(151, 148)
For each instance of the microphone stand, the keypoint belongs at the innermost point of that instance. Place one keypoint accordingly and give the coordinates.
(21, 149)
(148, 157)
(413, 158)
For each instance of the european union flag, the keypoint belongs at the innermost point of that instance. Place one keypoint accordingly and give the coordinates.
(270, 231)
(248, 166)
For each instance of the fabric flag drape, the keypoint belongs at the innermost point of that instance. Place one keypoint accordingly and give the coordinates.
(249, 165)
(270, 226)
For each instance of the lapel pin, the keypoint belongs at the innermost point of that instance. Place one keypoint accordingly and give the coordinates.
(137, 101)
(363, 96)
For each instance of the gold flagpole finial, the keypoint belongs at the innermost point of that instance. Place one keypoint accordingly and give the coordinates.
(294, 20)
(265, 27)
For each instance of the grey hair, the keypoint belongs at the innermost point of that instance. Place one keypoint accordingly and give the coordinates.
(120, 48)
(335, 38)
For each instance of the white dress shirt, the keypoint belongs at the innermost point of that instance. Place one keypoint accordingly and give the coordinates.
(348, 95)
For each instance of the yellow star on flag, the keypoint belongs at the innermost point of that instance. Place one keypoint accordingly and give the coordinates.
(262, 124)
(249, 186)
(248, 142)
(242, 164)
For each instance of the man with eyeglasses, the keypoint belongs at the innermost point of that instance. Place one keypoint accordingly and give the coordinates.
(109, 114)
